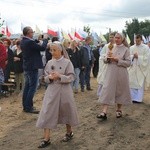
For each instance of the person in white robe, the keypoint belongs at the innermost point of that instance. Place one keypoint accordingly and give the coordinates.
(102, 65)
(139, 70)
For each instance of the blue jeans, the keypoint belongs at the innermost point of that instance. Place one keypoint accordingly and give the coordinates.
(75, 83)
(85, 77)
(31, 79)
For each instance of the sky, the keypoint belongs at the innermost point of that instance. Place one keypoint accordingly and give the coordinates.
(99, 15)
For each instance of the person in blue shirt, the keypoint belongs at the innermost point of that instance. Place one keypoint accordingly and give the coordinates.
(32, 61)
(87, 63)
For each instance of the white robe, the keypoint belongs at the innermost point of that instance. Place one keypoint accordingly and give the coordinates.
(137, 94)
(138, 71)
(102, 68)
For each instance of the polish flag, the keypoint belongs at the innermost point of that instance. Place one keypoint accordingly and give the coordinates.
(78, 36)
(70, 36)
(2, 30)
(8, 33)
(51, 32)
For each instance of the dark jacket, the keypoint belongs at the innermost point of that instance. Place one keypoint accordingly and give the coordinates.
(48, 55)
(18, 65)
(9, 65)
(10, 60)
(75, 57)
(96, 55)
(32, 59)
(85, 57)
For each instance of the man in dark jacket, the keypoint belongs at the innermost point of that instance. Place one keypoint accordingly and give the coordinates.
(32, 61)
(96, 62)
(87, 62)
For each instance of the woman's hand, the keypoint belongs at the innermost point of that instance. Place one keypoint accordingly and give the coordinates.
(109, 55)
(55, 75)
(114, 59)
(51, 77)
(16, 59)
(135, 55)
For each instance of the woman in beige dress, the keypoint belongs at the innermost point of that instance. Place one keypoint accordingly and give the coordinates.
(58, 104)
(115, 89)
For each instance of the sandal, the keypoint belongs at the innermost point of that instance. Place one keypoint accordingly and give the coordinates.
(44, 143)
(102, 116)
(118, 114)
(68, 137)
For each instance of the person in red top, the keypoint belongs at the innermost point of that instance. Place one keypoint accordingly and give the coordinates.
(3, 57)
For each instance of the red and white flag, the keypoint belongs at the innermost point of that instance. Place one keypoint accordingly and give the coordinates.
(2, 30)
(8, 33)
(78, 36)
(51, 32)
(70, 36)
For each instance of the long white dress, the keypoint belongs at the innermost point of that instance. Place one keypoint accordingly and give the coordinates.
(102, 68)
(138, 71)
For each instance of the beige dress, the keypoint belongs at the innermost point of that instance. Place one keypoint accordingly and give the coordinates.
(58, 104)
(115, 87)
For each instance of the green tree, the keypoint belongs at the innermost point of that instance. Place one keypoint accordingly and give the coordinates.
(136, 27)
(132, 28)
(145, 28)
(87, 29)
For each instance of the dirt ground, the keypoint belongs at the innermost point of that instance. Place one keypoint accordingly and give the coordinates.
(131, 132)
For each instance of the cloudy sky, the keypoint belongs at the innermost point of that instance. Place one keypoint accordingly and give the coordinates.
(100, 15)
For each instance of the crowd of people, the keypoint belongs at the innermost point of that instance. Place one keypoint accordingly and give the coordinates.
(122, 73)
